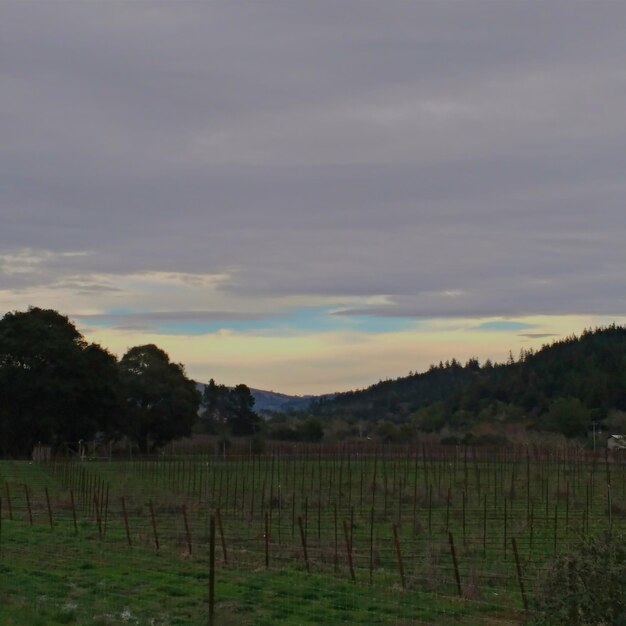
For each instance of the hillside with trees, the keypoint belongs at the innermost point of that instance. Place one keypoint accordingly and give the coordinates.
(564, 387)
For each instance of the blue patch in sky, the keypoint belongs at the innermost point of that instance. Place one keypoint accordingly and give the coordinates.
(505, 325)
(293, 321)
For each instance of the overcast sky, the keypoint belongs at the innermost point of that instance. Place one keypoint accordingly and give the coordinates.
(311, 195)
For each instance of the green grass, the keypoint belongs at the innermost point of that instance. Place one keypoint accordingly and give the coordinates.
(94, 585)
(90, 575)
(58, 578)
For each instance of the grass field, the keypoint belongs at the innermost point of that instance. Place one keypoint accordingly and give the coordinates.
(99, 542)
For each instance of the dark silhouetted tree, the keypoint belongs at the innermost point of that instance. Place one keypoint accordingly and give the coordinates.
(568, 416)
(54, 386)
(241, 417)
(162, 402)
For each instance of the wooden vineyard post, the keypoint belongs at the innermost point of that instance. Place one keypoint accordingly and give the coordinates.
(336, 546)
(220, 490)
(351, 527)
(415, 492)
(154, 526)
(399, 555)
(243, 498)
(512, 485)
(86, 493)
(385, 486)
(505, 527)
(9, 506)
(253, 491)
(213, 474)
(125, 514)
(476, 473)
(457, 576)
(303, 539)
(340, 481)
(30, 510)
(212, 571)
(556, 520)
(106, 509)
(361, 492)
(532, 529)
(485, 526)
(220, 526)
(49, 507)
(85, 488)
(306, 516)
(319, 520)
(187, 531)
(527, 484)
(97, 511)
(464, 524)
(430, 508)
(375, 477)
(331, 476)
(266, 537)
(262, 504)
(465, 476)
(586, 511)
(271, 502)
(519, 574)
(74, 511)
(280, 510)
(371, 545)
(97, 488)
(348, 549)
(349, 480)
(567, 510)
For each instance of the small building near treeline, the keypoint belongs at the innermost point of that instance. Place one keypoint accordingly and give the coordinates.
(616, 441)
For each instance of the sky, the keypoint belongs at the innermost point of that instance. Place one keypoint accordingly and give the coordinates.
(310, 196)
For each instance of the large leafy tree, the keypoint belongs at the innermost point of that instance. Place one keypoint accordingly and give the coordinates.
(162, 402)
(242, 419)
(230, 409)
(568, 416)
(54, 386)
(216, 403)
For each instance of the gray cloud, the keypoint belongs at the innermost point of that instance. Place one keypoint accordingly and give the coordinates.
(344, 148)
(169, 316)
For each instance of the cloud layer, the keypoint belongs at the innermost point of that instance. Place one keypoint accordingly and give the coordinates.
(240, 161)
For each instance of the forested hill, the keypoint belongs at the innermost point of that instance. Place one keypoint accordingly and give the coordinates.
(583, 376)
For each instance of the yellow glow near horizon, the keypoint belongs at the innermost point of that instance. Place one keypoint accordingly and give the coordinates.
(323, 362)
(338, 357)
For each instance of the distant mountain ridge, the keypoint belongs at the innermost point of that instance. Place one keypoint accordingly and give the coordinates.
(273, 401)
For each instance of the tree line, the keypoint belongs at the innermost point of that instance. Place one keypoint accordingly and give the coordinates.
(57, 389)
(566, 387)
